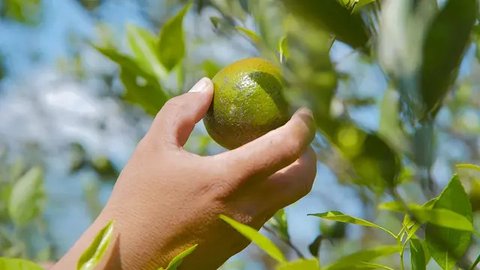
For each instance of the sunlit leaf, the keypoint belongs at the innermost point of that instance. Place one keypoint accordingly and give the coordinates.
(468, 166)
(250, 34)
(352, 261)
(18, 264)
(447, 245)
(341, 217)
(143, 45)
(311, 264)
(283, 49)
(417, 254)
(175, 263)
(369, 265)
(445, 44)
(259, 239)
(438, 216)
(171, 43)
(332, 16)
(26, 199)
(94, 254)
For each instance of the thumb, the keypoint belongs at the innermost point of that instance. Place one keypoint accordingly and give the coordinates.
(178, 116)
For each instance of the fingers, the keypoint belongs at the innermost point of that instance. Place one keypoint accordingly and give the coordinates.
(176, 119)
(292, 182)
(273, 151)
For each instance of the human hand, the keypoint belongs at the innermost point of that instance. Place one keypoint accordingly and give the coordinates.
(167, 199)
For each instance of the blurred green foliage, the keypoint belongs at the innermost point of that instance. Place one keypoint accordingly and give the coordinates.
(24, 11)
(417, 46)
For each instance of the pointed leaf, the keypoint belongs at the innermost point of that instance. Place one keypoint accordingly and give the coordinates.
(283, 49)
(175, 263)
(171, 44)
(26, 198)
(447, 245)
(351, 261)
(143, 45)
(250, 34)
(438, 216)
(468, 166)
(341, 217)
(94, 254)
(311, 264)
(142, 88)
(314, 247)
(259, 239)
(417, 255)
(443, 50)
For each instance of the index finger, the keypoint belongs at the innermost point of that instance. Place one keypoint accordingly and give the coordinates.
(274, 150)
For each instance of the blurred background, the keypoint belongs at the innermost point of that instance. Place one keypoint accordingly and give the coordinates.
(81, 79)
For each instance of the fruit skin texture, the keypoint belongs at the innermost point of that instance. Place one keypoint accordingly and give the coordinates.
(247, 102)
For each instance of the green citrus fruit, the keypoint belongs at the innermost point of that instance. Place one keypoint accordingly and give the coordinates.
(247, 103)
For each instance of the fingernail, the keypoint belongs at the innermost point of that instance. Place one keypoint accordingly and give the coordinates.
(200, 86)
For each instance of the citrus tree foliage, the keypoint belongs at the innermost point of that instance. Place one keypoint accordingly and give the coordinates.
(426, 54)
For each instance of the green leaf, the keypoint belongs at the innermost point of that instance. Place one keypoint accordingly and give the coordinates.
(175, 263)
(468, 166)
(333, 17)
(26, 198)
(259, 239)
(280, 223)
(283, 49)
(18, 264)
(352, 261)
(341, 217)
(210, 68)
(126, 62)
(143, 45)
(171, 43)
(438, 216)
(150, 96)
(390, 126)
(303, 264)
(23, 11)
(142, 88)
(447, 245)
(368, 265)
(250, 34)
(417, 254)
(93, 255)
(314, 246)
(444, 46)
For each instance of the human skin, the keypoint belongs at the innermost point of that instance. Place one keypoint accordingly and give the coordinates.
(167, 199)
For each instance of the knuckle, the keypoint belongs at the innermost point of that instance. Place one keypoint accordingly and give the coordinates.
(293, 146)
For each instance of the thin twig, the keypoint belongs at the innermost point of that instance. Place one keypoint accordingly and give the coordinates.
(286, 241)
